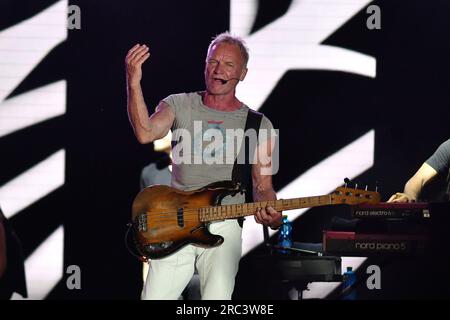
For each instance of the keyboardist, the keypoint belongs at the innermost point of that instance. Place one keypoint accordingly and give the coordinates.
(436, 167)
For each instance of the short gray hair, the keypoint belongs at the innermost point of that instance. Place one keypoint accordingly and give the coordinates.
(227, 37)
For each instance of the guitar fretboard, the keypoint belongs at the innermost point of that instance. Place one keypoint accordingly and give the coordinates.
(246, 209)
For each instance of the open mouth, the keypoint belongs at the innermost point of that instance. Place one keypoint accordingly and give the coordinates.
(221, 81)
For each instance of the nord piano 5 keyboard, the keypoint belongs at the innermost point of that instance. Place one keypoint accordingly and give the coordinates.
(354, 244)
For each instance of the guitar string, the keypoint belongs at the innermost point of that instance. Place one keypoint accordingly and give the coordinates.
(187, 212)
(187, 215)
(195, 212)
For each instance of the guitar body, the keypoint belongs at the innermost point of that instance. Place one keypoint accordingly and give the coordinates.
(166, 219)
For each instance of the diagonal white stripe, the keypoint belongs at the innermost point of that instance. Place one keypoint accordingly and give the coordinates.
(323, 178)
(33, 107)
(33, 184)
(24, 45)
(350, 161)
(242, 16)
(267, 69)
(44, 267)
(293, 41)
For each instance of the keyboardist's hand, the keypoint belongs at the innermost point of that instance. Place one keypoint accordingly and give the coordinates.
(401, 197)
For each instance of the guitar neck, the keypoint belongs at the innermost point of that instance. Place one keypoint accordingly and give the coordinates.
(246, 209)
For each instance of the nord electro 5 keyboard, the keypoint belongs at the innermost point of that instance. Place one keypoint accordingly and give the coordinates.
(384, 210)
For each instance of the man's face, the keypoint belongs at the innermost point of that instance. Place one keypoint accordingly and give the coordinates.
(224, 61)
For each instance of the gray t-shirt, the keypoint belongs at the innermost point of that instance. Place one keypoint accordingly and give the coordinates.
(205, 146)
(151, 175)
(440, 161)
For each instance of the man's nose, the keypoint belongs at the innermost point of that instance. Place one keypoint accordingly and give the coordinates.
(218, 68)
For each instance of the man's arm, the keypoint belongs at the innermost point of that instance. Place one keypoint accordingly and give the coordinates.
(262, 186)
(147, 129)
(415, 185)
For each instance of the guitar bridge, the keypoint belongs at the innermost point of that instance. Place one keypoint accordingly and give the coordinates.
(142, 222)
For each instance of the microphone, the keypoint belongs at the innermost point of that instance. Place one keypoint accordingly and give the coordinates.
(225, 81)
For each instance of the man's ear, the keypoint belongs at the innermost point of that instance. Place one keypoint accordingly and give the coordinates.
(243, 74)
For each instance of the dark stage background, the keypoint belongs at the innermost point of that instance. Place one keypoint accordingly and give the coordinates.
(318, 112)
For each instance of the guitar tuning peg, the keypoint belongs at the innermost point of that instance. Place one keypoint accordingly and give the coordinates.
(356, 186)
(365, 188)
(376, 186)
(346, 182)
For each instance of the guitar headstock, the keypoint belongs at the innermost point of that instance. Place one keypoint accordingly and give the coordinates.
(344, 195)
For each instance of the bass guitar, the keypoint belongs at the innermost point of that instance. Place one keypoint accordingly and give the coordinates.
(165, 219)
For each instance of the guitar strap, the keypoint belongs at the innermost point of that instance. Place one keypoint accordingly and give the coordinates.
(242, 172)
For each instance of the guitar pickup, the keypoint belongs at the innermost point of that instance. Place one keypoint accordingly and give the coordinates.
(180, 218)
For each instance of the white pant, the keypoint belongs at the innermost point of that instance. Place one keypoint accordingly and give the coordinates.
(217, 267)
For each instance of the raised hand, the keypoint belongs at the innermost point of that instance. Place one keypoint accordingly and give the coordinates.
(133, 63)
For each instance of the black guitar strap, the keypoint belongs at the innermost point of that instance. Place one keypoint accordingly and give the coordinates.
(242, 173)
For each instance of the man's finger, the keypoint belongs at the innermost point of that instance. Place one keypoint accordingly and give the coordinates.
(136, 46)
(262, 216)
(265, 217)
(138, 56)
(392, 198)
(257, 216)
(401, 198)
(137, 53)
(133, 48)
(270, 210)
(141, 60)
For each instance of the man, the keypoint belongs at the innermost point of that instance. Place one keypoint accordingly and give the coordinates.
(216, 107)
(437, 166)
